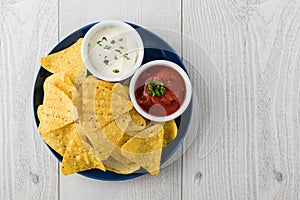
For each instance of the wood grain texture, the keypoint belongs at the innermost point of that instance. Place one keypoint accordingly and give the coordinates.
(27, 170)
(74, 14)
(255, 46)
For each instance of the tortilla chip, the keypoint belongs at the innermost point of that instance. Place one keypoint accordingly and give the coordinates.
(118, 167)
(105, 84)
(77, 158)
(97, 143)
(124, 139)
(60, 138)
(170, 132)
(69, 61)
(145, 148)
(62, 82)
(57, 110)
(99, 93)
(109, 106)
(119, 163)
(131, 121)
(89, 119)
(113, 132)
(121, 90)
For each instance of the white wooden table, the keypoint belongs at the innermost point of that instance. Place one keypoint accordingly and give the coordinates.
(255, 45)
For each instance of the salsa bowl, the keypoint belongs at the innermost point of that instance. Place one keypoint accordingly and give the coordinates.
(160, 90)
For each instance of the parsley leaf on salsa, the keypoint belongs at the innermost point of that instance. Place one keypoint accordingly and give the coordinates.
(156, 88)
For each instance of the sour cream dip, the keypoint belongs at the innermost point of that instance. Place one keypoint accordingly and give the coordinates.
(112, 50)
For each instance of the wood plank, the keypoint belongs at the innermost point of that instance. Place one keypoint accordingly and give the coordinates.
(166, 14)
(255, 45)
(27, 168)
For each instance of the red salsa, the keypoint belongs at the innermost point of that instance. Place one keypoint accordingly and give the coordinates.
(160, 90)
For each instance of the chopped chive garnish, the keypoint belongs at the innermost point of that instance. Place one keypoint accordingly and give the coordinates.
(115, 71)
(116, 58)
(99, 43)
(107, 47)
(103, 39)
(121, 47)
(106, 62)
(117, 50)
(105, 56)
(121, 39)
(126, 56)
(113, 42)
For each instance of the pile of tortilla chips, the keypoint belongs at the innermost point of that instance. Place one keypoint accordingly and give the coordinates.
(92, 123)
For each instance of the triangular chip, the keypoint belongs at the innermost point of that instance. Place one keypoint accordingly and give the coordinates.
(119, 163)
(62, 82)
(109, 106)
(113, 132)
(57, 110)
(131, 121)
(60, 138)
(89, 119)
(69, 61)
(97, 143)
(121, 90)
(119, 167)
(170, 132)
(145, 148)
(77, 158)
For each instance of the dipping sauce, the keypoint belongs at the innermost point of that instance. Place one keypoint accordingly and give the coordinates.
(160, 90)
(113, 51)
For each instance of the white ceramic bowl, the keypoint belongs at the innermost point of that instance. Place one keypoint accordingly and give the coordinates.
(102, 25)
(185, 102)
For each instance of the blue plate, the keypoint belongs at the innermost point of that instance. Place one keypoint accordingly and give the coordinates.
(155, 49)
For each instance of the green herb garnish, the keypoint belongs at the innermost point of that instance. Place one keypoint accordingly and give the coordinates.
(126, 56)
(103, 39)
(115, 71)
(106, 62)
(121, 47)
(116, 58)
(121, 39)
(156, 88)
(117, 50)
(107, 47)
(113, 42)
(99, 43)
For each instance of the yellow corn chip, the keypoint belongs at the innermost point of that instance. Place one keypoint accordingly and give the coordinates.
(77, 158)
(116, 166)
(170, 132)
(57, 110)
(119, 163)
(62, 82)
(121, 90)
(108, 106)
(89, 119)
(113, 132)
(131, 121)
(60, 138)
(69, 61)
(145, 148)
(97, 143)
